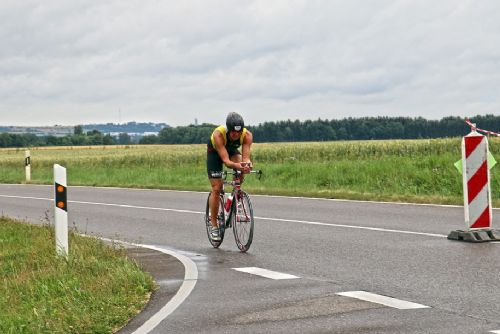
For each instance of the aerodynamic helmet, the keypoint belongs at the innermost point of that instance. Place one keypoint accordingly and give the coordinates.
(234, 121)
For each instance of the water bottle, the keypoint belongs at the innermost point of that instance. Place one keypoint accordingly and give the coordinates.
(228, 203)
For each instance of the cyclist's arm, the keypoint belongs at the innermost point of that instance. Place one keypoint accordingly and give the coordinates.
(221, 149)
(245, 147)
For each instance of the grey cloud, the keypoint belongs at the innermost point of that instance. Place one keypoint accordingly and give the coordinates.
(296, 58)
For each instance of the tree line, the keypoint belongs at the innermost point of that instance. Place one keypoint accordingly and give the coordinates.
(365, 128)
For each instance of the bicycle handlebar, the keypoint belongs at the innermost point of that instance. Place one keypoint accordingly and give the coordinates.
(238, 172)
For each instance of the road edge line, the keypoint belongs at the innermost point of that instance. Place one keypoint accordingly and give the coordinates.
(190, 280)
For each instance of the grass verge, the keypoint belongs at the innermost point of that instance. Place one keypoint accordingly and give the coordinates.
(419, 171)
(97, 290)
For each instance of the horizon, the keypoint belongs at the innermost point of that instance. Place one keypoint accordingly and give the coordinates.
(276, 121)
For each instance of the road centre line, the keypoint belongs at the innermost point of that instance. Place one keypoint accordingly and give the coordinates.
(253, 195)
(266, 273)
(378, 229)
(383, 300)
(106, 204)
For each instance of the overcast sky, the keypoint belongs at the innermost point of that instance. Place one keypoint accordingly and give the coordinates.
(92, 61)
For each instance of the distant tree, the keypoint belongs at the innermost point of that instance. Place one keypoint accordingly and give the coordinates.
(124, 138)
(79, 140)
(78, 130)
(150, 139)
(5, 140)
(95, 137)
(93, 133)
(108, 140)
(52, 141)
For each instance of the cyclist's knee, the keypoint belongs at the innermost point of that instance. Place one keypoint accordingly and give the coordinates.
(216, 185)
(216, 190)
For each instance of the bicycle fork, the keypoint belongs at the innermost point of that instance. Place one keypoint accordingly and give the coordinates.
(235, 202)
(241, 214)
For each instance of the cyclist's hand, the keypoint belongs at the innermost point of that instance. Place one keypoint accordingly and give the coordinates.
(247, 167)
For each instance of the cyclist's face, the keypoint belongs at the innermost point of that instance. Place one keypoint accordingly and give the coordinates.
(234, 134)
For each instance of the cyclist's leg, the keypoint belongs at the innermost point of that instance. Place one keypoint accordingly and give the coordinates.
(214, 199)
(235, 155)
(214, 170)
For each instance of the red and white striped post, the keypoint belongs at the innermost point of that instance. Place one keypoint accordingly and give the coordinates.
(476, 181)
(477, 192)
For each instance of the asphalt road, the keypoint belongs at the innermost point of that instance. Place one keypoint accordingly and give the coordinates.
(332, 247)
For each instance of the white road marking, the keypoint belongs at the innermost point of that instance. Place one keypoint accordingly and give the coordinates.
(108, 204)
(496, 332)
(384, 300)
(355, 227)
(254, 195)
(266, 273)
(190, 279)
(28, 197)
(378, 229)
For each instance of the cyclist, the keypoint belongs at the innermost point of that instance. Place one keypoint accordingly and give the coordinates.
(222, 148)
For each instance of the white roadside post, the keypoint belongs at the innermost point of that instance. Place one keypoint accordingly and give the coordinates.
(27, 165)
(61, 211)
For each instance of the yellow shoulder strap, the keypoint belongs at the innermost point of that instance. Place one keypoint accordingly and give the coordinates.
(222, 129)
(243, 133)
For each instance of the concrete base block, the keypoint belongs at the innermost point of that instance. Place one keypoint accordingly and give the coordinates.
(475, 235)
(495, 234)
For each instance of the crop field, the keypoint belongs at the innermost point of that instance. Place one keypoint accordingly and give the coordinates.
(394, 170)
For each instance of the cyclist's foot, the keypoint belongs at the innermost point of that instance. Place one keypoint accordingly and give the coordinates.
(214, 233)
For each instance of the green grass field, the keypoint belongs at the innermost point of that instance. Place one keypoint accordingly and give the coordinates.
(97, 290)
(398, 170)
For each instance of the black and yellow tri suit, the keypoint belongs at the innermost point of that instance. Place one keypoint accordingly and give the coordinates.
(214, 162)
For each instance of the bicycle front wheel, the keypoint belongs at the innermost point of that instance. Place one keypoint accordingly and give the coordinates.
(243, 223)
(220, 222)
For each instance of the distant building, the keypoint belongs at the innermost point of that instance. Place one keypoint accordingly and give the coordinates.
(41, 131)
(133, 129)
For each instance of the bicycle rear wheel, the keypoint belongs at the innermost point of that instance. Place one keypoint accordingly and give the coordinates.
(220, 222)
(243, 223)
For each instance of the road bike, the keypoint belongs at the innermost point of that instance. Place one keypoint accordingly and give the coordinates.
(234, 211)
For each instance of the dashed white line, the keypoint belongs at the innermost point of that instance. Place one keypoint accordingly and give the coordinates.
(383, 300)
(266, 273)
(496, 332)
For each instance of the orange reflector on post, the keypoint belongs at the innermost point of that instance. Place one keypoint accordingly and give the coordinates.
(61, 201)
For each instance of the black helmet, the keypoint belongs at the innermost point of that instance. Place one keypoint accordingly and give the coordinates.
(234, 121)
